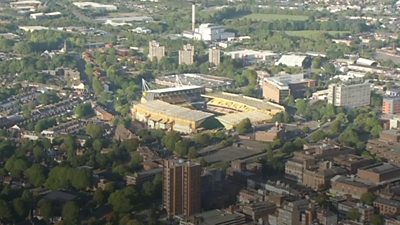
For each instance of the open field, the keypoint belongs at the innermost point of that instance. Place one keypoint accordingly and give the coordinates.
(274, 17)
(312, 34)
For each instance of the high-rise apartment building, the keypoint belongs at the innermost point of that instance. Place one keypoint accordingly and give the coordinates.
(214, 56)
(350, 94)
(181, 188)
(391, 105)
(186, 55)
(156, 51)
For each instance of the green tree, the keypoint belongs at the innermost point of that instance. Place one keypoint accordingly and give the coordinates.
(244, 126)
(99, 197)
(124, 200)
(353, 214)
(38, 152)
(80, 178)
(97, 145)
(20, 207)
(70, 213)
(46, 209)
(5, 212)
(95, 131)
(84, 110)
(36, 175)
(316, 63)
(170, 139)
(16, 166)
(182, 147)
(368, 198)
(192, 154)
(377, 220)
(301, 107)
(202, 139)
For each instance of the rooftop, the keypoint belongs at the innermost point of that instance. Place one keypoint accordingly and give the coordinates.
(381, 168)
(284, 80)
(257, 104)
(218, 217)
(173, 89)
(291, 60)
(161, 107)
(255, 117)
(389, 202)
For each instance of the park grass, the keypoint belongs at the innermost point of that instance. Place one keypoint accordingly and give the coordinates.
(313, 34)
(274, 17)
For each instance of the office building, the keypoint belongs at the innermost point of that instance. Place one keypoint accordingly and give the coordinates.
(350, 94)
(278, 88)
(156, 51)
(186, 55)
(214, 56)
(181, 188)
(391, 105)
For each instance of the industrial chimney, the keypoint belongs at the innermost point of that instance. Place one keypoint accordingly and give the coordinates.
(193, 15)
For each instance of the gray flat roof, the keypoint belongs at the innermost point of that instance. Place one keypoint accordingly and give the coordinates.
(218, 217)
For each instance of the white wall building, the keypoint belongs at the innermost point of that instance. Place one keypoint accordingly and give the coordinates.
(351, 95)
(209, 32)
(95, 5)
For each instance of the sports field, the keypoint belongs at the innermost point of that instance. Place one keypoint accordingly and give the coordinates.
(274, 17)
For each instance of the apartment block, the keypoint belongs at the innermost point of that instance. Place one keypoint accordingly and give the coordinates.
(186, 55)
(181, 188)
(387, 207)
(156, 51)
(350, 94)
(391, 105)
(214, 56)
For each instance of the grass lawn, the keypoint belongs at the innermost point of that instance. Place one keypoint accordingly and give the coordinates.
(273, 17)
(312, 34)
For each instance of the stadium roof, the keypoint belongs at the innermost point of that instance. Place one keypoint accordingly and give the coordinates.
(173, 89)
(167, 109)
(260, 104)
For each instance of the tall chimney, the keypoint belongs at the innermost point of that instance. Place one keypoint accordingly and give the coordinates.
(193, 16)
